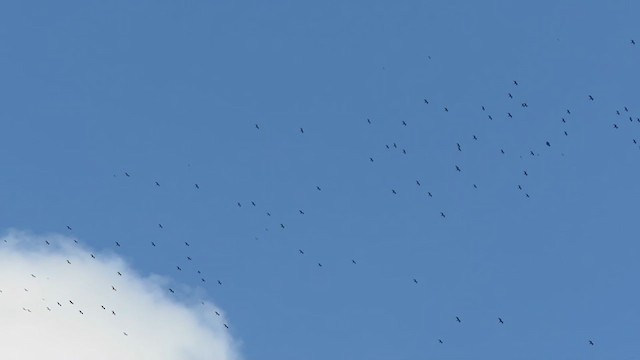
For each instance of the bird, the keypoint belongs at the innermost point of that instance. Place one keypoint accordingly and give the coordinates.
(301, 212)
(548, 144)
(371, 159)
(160, 226)
(369, 121)
(353, 261)
(615, 126)
(418, 182)
(404, 123)
(68, 262)
(257, 127)
(301, 130)
(458, 168)
(440, 341)
(179, 269)
(475, 137)
(239, 205)
(117, 243)
(525, 173)
(415, 281)
(127, 174)
(591, 342)
(172, 291)
(459, 148)
(319, 265)
(590, 97)
(253, 203)
(119, 273)
(482, 108)
(125, 334)
(197, 186)
(282, 226)
(458, 319)
(429, 194)
(113, 288)
(426, 101)
(404, 151)
(68, 227)
(47, 242)
(186, 243)
(442, 214)
(633, 42)
(157, 183)
(318, 188)
(393, 191)
(219, 282)
(445, 109)
(500, 320)
(509, 114)
(227, 326)
(93, 256)
(153, 244)
(490, 118)
(510, 96)
(300, 251)
(568, 111)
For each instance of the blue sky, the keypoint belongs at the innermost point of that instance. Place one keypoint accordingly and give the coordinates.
(171, 92)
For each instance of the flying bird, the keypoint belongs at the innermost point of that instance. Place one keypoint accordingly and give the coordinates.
(458, 319)
(157, 183)
(68, 227)
(160, 226)
(500, 320)
(591, 343)
(301, 130)
(197, 186)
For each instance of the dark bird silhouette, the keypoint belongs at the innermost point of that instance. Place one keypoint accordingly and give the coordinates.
(257, 127)
(47, 242)
(318, 187)
(515, 82)
(301, 212)
(219, 282)
(117, 243)
(429, 193)
(157, 183)
(404, 123)
(371, 159)
(282, 226)
(93, 256)
(197, 186)
(426, 101)
(502, 151)
(519, 187)
(458, 168)
(113, 288)
(369, 121)
(490, 118)
(353, 261)
(119, 273)
(189, 258)
(179, 269)
(475, 137)
(500, 320)
(300, 251)
(591, 343)
(393, 191)
(459, 148)
(440, 341)
(253, 203)
(71, 302)
(509, 114)
(113, 313)
(160, 226)
(510, 96)
(127, 174)
(68, 262)
(483, 108)
(548, 144)
(418, 182)
(568, 111)
(239, 205)
(633, 42)
(458, 319)
(566, 134)
(404, 151)
(319, 265)
(625, 109)
(615, 126)
(301, 130)
(153, 244)
(590, 97)
(415, 281)
(525, 173)
(227, 326)
(217, 313)
(171, 290)
(68, 227)
(442, 214)
(445, 109)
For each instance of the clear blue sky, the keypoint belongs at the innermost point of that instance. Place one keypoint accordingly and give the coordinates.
(171, 91)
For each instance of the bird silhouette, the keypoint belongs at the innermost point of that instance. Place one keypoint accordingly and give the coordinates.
(458, 319)
(500, 320)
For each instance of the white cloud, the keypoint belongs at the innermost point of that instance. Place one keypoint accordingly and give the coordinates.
(35, 277)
